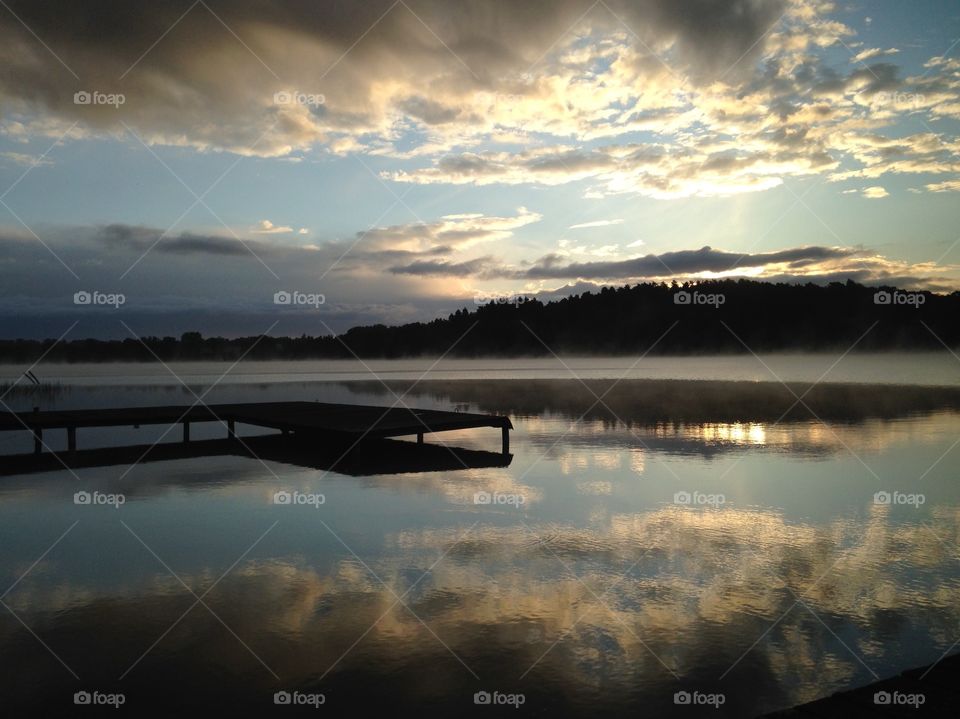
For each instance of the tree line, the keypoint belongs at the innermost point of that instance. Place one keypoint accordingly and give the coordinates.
(716, 316)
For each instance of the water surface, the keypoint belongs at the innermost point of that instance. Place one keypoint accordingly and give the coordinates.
(592, 587)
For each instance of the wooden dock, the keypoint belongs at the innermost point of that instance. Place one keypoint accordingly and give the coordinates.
(315, 419)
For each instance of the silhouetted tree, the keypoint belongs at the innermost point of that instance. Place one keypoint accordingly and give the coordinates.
(718, 316)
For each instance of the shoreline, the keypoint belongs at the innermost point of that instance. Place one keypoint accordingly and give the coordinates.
(930, 690)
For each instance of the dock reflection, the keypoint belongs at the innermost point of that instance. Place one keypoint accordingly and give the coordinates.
(369, 456)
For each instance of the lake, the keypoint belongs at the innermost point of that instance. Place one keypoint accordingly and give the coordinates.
(698, 533)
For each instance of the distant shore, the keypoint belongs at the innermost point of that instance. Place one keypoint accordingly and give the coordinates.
(707, 317)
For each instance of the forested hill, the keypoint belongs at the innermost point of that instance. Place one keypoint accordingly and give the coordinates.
(707, 317)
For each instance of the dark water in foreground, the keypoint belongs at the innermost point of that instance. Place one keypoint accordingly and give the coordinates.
(590, 586)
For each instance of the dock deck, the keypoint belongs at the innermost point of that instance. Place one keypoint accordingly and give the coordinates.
(301, 418)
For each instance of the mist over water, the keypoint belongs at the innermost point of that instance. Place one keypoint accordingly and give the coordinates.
(924, 368)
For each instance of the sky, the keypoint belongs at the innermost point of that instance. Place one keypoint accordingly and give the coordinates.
(392, 161)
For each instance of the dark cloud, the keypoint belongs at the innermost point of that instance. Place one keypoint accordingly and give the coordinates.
(717, 33)
(118, 236)
(408, 80)
(187, 243)
(878, 77)
(865, 79)
(571, 161)
(429, 111)
(139, 238)
(683, 262)
(444, 268)
(204, 74)
(468, 164)
(821, 264)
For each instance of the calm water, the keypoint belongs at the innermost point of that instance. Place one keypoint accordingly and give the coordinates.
(590, 586)
(938, 368)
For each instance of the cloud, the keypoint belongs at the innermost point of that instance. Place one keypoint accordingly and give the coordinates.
(818, 264)
(681, 263)
(208, 79)
(419, 248)
(734, 96)
(449, 233)
(875, 193)
(392, 252)
(945, 186)
(652, 170)
(429, 245)
(871, 53)
(170, 288)
(596, 223)
(444, 268)
(25, 160)
(265, 227)
(145, 239)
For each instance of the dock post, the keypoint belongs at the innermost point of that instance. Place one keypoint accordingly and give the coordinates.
(186, 432)
(419, 437)
(505, 435)
(37, 436)
(231, 429)
(71, 439)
